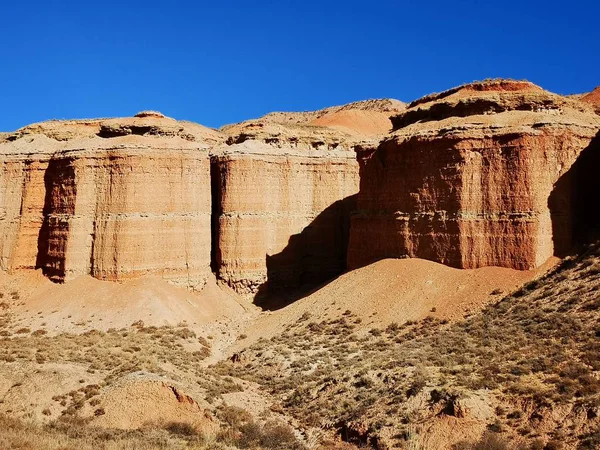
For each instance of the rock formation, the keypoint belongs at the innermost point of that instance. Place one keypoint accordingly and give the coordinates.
(474, 176)
(285, 187)
(490, 173)
(120, 198)
(114, 198)
(593, 98)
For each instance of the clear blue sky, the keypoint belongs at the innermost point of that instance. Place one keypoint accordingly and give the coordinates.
(224, 61)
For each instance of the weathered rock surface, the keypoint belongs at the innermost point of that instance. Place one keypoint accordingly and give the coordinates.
(115, 198)
(480, 175)
(121, 198)
(282, 217)
(593, 98)
(286, 187)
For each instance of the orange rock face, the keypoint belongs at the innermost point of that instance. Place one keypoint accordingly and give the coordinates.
(121, 198)
(481, 175)
(282, 218)
(112, 198)
(285, 186)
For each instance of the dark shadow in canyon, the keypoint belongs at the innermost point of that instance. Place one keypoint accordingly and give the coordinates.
(59, 198)
(573, 203)
(311, 259)
(216, 211)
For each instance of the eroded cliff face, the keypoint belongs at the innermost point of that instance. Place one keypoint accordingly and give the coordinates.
(121, 198)
(286, 185)
(475, 176)
(593, 98)
(283, 219)
(115, 198)
(22, 194)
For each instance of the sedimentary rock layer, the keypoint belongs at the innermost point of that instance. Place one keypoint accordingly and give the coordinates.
(282, 218)
(480, 175)
(285, 186)
(112, 198)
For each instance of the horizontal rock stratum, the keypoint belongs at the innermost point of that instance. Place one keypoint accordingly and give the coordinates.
(480, 175)
(122, 198)
(494, 173)
(115, 198)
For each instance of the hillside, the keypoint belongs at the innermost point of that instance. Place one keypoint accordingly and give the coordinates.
(523, 371)
(372, 275)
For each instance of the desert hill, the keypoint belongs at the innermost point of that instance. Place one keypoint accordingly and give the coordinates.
(521, 371)
(373, 274)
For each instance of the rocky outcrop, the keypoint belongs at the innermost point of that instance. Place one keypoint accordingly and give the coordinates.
(593, 98)
(286, 187)
(480, 175)
(114, 198)
(282, 217)
(121, 198)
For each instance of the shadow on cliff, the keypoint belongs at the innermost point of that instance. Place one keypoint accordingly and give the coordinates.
(573, 203)
(311, 259)
(59, 175)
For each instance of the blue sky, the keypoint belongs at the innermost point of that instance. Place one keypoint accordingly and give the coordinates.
(223, 62)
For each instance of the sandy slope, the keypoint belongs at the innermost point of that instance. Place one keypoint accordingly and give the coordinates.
(356, 122)
(86, 303)
(396, 290)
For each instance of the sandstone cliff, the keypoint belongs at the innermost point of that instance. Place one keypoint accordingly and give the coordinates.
(286, 185)
(475, 176)
(114, 198)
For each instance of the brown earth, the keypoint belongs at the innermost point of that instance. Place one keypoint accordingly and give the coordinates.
(395, 291)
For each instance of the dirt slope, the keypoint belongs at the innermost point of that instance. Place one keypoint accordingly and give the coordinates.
(87, 303)
(397, 290)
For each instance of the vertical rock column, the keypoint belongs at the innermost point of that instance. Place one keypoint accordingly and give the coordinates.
(22, 195)
(121, 214)
(283, 219)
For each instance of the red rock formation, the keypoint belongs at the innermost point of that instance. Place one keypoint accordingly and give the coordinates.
(282, 218)
(114, 198)
(593, 98)
(467, 175)
(285, 186)
(120, 198)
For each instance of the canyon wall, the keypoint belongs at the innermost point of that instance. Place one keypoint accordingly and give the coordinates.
(282, 218)
(118, 214)
(115, 198)
(285, 186)
(469, 178)
(22, 193)
(122, 198)
(492, 173)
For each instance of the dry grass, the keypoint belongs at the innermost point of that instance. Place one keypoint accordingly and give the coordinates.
(174, 352)
(534, 351)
